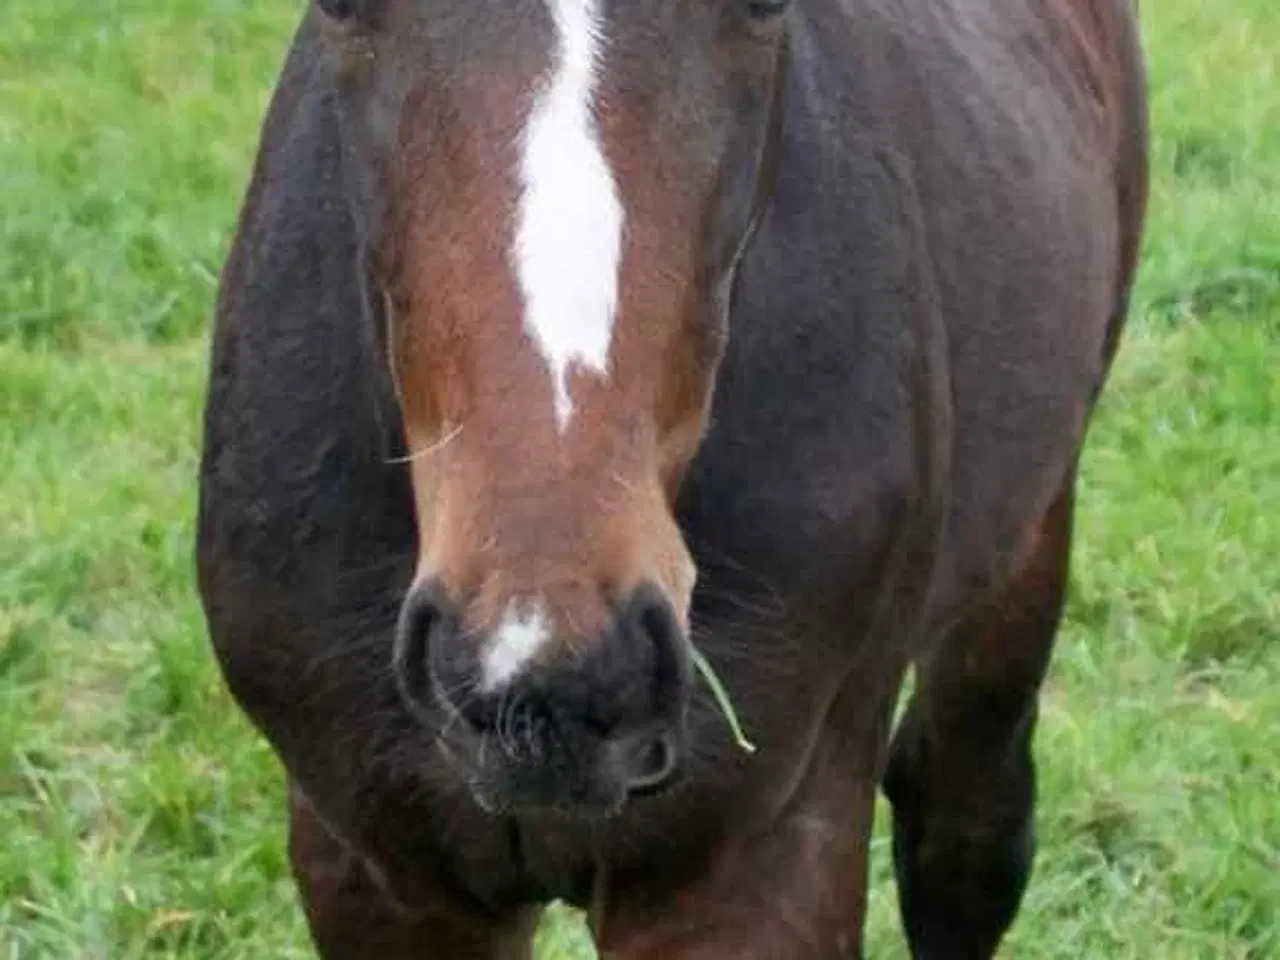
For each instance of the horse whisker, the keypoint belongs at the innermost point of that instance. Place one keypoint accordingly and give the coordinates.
(428, 451)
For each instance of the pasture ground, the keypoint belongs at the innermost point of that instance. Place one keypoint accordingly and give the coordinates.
(140, 818)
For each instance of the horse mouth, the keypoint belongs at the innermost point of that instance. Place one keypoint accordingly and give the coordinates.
(594, 782)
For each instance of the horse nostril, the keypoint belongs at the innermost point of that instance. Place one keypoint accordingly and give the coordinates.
(423, 620)
(654, 618)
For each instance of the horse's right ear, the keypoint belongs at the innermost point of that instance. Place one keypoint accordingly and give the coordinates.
(340, 9)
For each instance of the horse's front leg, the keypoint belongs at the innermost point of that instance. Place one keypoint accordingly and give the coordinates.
(352, 915)
(795, 890)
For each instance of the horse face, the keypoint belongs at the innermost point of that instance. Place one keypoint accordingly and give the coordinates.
(552, 196)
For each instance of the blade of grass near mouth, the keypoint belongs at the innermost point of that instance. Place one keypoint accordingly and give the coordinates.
(722, 698)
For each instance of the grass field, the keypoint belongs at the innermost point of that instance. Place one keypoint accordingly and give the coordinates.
(140, 818)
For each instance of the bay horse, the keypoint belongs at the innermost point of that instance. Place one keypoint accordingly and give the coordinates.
(563, 343)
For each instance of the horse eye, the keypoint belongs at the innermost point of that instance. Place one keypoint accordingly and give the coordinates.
(766, 9)
(339, 9)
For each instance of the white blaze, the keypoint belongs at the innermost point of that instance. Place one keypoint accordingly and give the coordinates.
(568, 238)
(516, 641)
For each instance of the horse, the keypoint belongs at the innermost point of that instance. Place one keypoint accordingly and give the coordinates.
(615, 409)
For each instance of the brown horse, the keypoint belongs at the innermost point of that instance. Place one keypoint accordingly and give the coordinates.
(562, 341)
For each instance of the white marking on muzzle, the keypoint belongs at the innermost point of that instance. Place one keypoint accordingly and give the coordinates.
(516, 641)
(568, 239)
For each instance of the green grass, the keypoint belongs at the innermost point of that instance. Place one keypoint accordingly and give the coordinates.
(139, 817)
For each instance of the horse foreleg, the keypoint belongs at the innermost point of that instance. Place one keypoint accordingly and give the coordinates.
(961, 777)
(352, 916)
(795, 890)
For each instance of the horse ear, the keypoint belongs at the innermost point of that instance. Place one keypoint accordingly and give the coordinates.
(340, 9)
